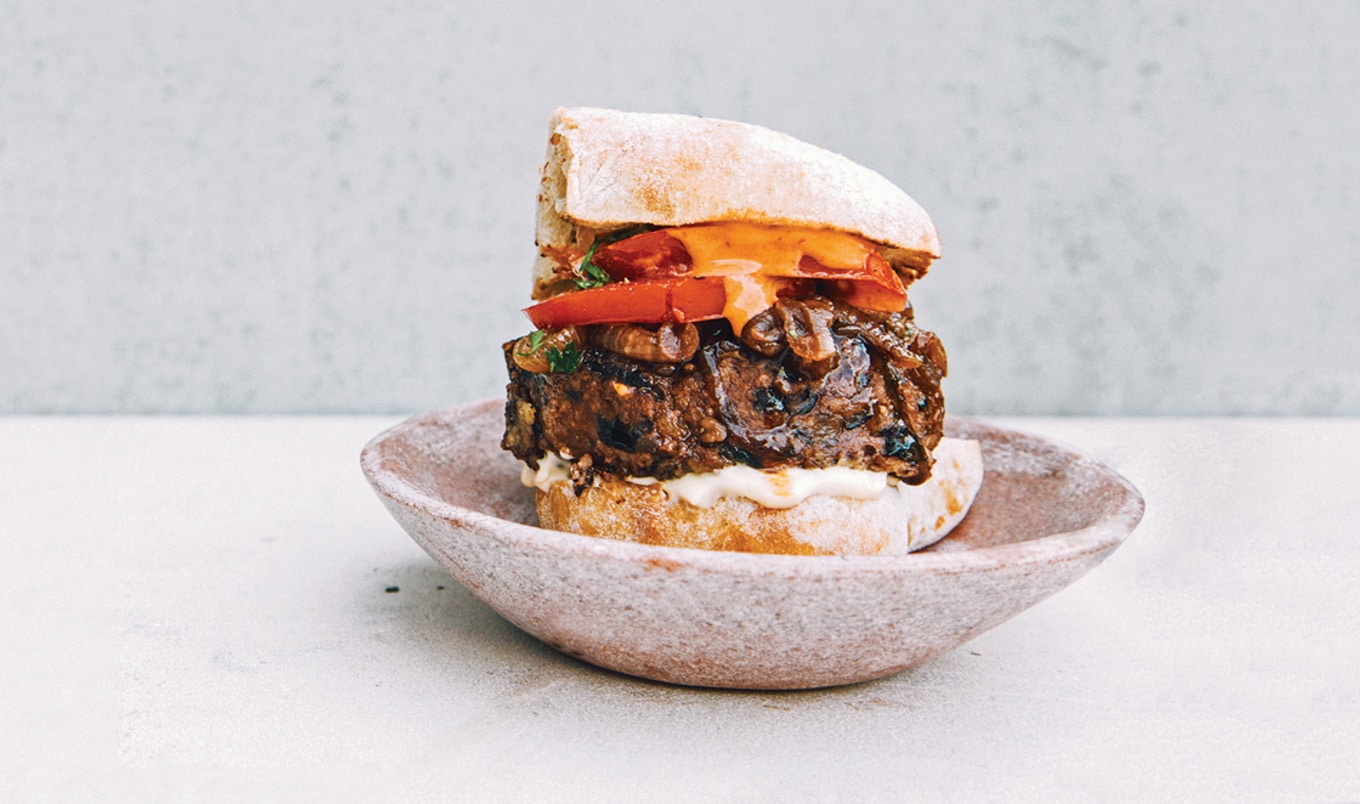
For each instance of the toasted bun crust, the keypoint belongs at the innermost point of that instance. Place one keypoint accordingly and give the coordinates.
(607, 169)
(903, 519)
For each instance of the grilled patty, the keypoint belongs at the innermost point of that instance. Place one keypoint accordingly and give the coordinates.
(810, 383)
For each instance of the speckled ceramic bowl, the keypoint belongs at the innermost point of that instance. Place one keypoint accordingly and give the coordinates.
(1043, 517)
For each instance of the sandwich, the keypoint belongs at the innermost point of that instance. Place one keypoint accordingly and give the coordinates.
(724, 356)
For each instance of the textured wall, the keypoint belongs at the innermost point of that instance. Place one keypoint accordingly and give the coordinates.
(242, 207)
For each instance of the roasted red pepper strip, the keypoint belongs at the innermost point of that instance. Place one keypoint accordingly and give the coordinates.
(878, 289)
(647, 302)
(651, 255)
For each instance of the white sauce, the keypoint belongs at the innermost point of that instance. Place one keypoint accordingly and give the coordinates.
(550, 470)
(782, 488)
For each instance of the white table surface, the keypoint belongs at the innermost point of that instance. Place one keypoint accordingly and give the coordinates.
(196, 608)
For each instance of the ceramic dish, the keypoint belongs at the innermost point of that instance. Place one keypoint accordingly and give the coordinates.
(1043, 517)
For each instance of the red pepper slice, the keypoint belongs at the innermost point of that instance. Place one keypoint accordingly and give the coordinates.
(650, 255)
(877, 288)
(647, 302)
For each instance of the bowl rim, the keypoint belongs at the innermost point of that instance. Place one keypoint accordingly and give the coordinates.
(1098, 537)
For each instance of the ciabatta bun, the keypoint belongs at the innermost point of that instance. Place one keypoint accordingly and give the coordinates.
(606, 170)
(903, 519)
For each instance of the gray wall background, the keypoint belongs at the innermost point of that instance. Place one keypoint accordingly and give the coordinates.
(328, 207)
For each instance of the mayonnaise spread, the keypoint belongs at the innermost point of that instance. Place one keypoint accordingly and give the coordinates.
(772, 488)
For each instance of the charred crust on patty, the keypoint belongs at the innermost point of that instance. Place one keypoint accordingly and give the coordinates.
(864, 392)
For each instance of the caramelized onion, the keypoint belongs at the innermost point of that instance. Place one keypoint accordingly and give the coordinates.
(667, 343)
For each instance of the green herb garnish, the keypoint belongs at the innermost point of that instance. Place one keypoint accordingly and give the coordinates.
(535, 342)
(590, 275)
(564, 360)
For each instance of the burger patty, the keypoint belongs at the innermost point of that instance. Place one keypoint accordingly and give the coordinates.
(810, 383)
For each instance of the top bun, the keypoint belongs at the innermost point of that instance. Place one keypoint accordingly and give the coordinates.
(607, 170)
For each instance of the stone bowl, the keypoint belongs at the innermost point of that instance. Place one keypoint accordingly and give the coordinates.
(1043, 517)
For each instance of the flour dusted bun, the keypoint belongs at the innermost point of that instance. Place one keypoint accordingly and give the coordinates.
(902, 519)
(607, 169)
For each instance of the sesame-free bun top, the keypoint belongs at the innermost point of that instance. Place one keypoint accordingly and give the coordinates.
(606, 170)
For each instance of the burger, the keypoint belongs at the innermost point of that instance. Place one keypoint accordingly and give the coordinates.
(724, 356)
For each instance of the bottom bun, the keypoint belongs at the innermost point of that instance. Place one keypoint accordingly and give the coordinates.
(902, 519)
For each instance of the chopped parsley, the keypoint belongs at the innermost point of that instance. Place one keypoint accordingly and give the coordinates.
(564, 360)
(592, 275)
(535, 342)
